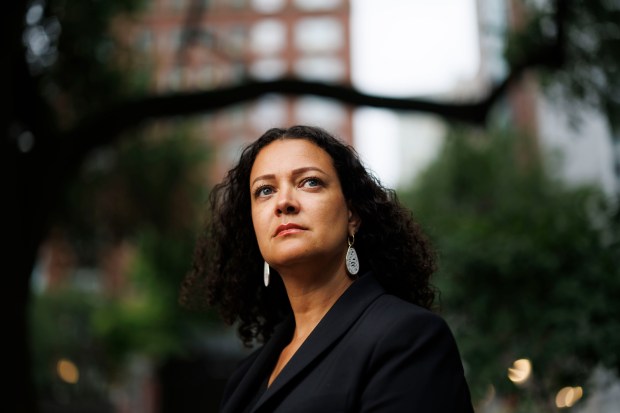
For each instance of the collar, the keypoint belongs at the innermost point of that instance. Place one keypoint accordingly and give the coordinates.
(336, 322)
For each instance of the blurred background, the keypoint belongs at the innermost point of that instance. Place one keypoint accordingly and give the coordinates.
(496, 121)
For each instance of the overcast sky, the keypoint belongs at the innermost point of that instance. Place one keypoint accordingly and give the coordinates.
(407, 48)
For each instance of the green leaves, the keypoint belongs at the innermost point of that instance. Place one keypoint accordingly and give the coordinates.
(526, 263)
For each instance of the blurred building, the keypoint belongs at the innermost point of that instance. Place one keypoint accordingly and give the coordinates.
(577, 136)
(204, 45)
(194, 45)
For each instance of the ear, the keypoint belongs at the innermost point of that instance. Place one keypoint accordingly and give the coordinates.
(354, 221)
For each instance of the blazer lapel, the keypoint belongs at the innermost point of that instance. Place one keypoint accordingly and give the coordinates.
(260, 368)
(343, 314)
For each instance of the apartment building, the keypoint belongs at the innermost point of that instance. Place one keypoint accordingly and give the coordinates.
(209, 44)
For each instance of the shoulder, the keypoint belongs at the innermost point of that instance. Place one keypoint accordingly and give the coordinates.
(398, 324)
(412, 359)
(389, 311)
(415, 340)
(383, 315)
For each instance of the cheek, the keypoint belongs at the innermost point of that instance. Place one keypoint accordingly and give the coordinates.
(334, 215)
(259, 223)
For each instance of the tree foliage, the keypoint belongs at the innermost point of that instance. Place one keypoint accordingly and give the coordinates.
(150, 197)
(587, 34)
(80, 64)
(528, 264)
(63, 66)
(142, 198)
(63, 330)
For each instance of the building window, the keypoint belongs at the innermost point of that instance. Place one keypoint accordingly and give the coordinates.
(237, 71)
(317, 5)
(268, 69)
(322, 68)
(206, 76)
(177, 5)
(268, 37)
(268, 112)
(236, 117)
(236, 4)
(316, 35)
(174, 79)
(268, 6)
(328, 113)
(234, 40)
(168, 40)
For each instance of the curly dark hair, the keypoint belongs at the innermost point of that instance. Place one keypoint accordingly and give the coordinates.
(227, 266)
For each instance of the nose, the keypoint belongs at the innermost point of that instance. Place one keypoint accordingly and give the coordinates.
(287, 204)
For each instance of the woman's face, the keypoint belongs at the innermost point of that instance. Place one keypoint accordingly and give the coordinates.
(299, 212)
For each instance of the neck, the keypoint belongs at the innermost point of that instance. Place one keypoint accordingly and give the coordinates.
(311, 297)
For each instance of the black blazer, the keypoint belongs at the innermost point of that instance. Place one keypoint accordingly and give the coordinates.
(372, 352)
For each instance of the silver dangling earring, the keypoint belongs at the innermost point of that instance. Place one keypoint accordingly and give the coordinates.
(266, 274)
(351, 261)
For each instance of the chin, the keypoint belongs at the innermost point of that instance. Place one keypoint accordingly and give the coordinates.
(291, 257)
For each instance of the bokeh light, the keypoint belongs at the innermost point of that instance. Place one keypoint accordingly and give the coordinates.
(568, 396)
(520, 371)
(67, 371)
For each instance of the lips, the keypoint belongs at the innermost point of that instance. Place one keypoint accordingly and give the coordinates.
(289, 228)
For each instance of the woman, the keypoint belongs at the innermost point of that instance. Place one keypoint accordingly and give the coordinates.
(310, 255)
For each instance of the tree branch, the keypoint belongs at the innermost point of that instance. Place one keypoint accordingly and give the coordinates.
(104, 127)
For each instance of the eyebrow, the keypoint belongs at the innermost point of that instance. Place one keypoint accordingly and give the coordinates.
(294, 172)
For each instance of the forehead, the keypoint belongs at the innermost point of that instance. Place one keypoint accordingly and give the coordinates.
(284, 155)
